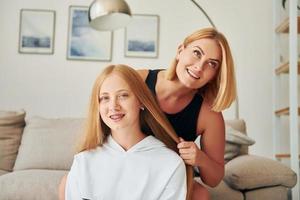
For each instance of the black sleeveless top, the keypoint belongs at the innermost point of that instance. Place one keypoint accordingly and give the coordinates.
(185, 121)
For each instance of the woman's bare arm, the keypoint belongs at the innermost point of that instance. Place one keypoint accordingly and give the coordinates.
(211, 156)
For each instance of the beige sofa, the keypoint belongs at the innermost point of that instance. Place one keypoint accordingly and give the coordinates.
(34, 160)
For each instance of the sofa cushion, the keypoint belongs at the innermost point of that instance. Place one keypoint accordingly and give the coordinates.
(237, 141)
(250, 172)
(11, 128)
(237, 137)
(48, 143)
(222, 191)
(31, 185)
(239, 125)
(274, 193)
(231, 150)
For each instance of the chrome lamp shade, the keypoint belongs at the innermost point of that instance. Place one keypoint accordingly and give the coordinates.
(109, 14)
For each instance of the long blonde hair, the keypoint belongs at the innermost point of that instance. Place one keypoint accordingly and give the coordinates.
(222, 88)
(96, 132)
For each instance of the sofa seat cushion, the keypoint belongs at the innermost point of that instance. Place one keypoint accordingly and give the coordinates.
(11, 129)
(31, 185)
(48, 143)
(274, 193)
(223, 191)
(250, 172)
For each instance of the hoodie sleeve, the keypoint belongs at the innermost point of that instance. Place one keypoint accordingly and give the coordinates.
(72, 186)
(176, 187)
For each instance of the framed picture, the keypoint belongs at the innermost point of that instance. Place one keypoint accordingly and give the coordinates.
(84, 42)
(141, 36)
(36, 31)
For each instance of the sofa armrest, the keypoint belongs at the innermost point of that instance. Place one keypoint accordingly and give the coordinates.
(250, 172)
(2, 172)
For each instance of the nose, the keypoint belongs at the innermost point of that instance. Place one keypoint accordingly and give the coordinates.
(199, 66)
(114, 104)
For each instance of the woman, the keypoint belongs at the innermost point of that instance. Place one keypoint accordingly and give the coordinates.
(117, 160)
(198, 85)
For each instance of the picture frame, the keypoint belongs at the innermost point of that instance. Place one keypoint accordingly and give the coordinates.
(84, 42)
(36, 31)
(141, 36)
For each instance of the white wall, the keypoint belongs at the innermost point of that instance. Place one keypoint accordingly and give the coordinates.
(51, 86)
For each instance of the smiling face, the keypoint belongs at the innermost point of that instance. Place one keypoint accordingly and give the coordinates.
(119, 108)
(198, 62)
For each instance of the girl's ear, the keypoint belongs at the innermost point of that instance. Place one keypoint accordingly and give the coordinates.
(179, 50)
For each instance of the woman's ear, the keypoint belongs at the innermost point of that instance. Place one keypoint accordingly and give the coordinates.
(179, 50)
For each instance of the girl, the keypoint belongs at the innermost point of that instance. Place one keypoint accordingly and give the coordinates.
(117, 160)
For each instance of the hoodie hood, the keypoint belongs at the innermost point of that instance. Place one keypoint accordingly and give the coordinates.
(147, 144)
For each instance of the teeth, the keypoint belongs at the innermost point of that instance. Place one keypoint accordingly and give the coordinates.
(116, 116)
(192, 74)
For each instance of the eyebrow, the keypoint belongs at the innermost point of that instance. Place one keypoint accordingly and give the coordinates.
(118, 91)
(200, 49)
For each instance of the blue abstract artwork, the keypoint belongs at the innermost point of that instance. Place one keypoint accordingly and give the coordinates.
(84, 42)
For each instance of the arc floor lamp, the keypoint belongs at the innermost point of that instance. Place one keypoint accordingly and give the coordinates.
(114, 14)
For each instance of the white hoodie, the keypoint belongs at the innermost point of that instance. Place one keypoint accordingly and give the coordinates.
(147, 171)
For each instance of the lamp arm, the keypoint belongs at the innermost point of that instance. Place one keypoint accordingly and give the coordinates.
(206, 15)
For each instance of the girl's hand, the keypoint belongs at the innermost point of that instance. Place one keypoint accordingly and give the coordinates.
(189, 152)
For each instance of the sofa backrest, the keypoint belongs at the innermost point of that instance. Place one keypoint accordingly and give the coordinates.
(48, 143)
(51, 143)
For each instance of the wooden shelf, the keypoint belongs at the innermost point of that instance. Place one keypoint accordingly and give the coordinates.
(283, 27)
(283, 155)
(284, 68)
(285, 111)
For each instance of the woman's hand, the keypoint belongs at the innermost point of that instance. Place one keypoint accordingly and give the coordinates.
(189, 152)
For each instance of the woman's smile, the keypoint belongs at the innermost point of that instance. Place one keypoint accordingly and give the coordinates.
(192, 73)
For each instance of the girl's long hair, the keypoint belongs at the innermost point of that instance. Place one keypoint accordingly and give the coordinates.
(96, 131)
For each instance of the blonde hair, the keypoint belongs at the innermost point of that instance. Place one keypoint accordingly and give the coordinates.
(222, 88)
(96, 132)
